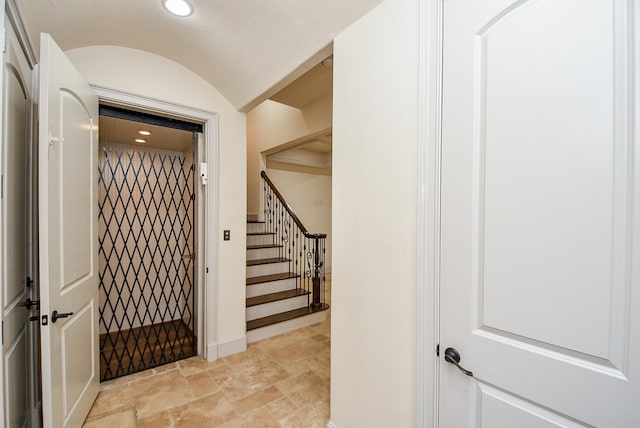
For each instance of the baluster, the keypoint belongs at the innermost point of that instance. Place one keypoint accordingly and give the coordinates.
(270, 210)
(306, 252)
(300, 265)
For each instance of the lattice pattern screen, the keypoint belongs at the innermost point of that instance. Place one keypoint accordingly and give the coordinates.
(146, 256)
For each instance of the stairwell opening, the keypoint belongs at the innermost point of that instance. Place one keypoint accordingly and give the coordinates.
(148, 236)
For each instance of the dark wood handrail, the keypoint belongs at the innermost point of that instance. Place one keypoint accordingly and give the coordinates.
(293, 215)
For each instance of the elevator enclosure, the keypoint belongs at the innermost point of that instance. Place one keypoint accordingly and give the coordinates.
(147, 240)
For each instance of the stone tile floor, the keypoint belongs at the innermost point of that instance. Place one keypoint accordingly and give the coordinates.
(282, 381)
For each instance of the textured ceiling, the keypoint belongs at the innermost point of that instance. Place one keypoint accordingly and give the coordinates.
(247, 49)
(121, 131)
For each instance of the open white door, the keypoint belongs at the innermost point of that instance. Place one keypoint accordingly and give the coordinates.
(68, 141)
(16, 225)
(540, 252)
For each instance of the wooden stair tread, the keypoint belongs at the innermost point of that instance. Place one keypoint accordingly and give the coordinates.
(267, 261)
(254, 222)
(271, 278)
(261, 246)
(284, 316)
(260, 233)
(274, 297)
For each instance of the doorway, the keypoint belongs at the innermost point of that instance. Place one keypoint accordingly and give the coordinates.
(147, 227)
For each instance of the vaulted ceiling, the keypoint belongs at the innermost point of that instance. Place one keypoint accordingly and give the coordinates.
(247, 49)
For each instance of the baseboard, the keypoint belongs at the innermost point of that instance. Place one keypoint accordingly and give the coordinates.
(234, 346)
(230, 347)
(212, 352)
(331, 425)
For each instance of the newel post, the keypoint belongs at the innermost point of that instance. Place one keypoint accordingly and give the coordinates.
(316, 275)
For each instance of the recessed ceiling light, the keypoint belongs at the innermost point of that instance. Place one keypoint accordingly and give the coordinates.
(140, 140)
(178, 7)
(144, 132)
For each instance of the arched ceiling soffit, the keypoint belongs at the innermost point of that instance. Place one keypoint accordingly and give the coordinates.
(247, 49)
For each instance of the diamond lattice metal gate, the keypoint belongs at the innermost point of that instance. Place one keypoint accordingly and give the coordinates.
(146, 255)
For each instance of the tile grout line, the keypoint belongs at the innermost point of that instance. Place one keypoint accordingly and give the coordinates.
(243, 363)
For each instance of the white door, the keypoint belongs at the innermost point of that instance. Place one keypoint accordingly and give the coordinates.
(68, 141)
(16, 109)
(540, 229)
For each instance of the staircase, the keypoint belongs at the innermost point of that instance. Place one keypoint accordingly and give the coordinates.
(285, 271)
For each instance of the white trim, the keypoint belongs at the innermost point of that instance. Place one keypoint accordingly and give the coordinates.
(201, 208)
(296, 161)
(15, 16)
(330, 424)
(2, 238)
(233, 346)
(211, 353)
(209, 230)
(429, 143)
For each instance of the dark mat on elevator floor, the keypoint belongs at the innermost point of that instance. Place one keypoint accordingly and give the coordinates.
(129, 351)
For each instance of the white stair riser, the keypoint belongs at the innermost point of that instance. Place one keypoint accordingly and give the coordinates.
(264, 253)
(255, 227)
(286, 326)
(260, 239)
(266, 309)
(267, 269)
(261, 288)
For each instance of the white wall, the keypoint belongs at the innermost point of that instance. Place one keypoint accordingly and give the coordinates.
(272, 124)
(142, 73)
(312, 196)
(375, 175)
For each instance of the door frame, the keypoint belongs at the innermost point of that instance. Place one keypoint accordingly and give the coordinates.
(207, 215)
(428, 224)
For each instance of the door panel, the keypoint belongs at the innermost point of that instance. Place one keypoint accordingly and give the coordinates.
(15, 118)
(502, 409)
(77, 222)
(16, 84)
(77, 338)
(68, 239)
(15, 368)
(538, 225)
(539, 131)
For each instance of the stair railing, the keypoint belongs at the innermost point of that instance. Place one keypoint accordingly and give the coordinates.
(305, 251)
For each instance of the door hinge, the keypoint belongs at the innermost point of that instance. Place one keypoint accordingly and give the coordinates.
(207, 270)
(29, 281)
(55, 140)
(438, 350)
(29, 303)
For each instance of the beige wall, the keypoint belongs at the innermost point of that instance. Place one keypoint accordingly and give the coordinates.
(375, 150)
(310, 197)
(145, 74)
(272, 124)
